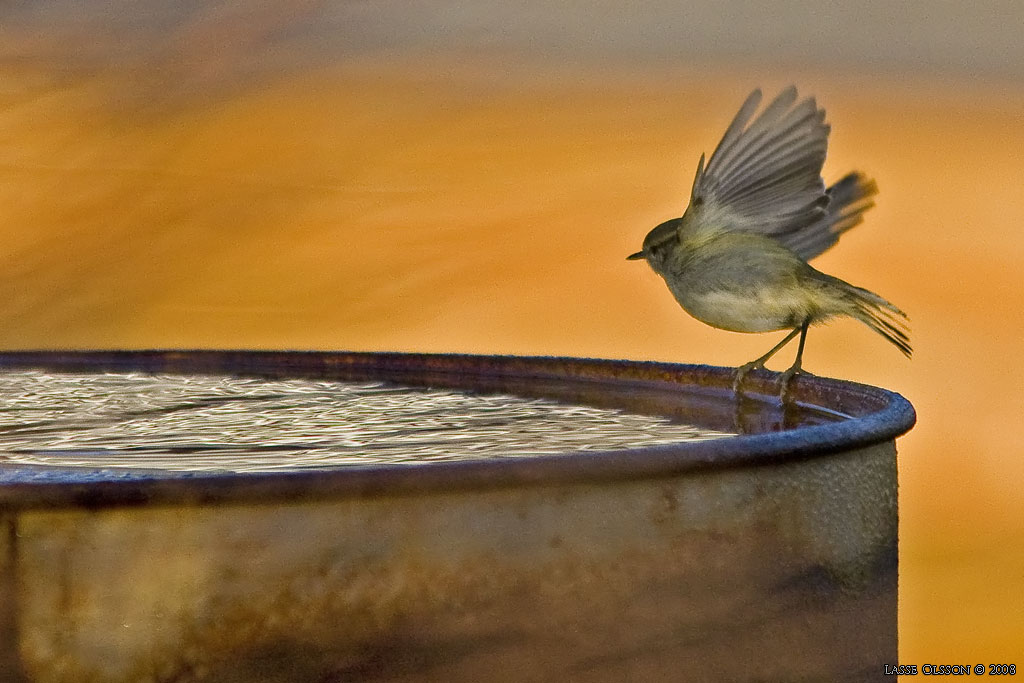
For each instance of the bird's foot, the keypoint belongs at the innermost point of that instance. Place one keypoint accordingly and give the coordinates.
(787, 379)
(741, 372)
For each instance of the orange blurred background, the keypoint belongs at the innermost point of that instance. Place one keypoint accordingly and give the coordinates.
(403, 176)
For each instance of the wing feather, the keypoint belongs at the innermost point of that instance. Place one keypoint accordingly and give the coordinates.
(732, 158)
(739, 122)
(765, 174)
(849, 199)
(761, 146)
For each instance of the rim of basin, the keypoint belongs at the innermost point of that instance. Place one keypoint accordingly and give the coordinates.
(865, 416)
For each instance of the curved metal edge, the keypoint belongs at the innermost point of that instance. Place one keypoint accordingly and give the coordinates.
(877, 416)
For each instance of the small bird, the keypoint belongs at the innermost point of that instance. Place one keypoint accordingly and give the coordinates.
(737, 258)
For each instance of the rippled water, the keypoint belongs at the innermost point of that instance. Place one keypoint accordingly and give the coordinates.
(218, 423)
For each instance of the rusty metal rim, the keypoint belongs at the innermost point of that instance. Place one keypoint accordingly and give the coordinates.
(877, 416)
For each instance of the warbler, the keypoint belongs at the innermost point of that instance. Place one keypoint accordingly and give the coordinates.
(759, 211)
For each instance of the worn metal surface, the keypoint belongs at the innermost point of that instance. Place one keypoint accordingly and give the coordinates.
(767, 556)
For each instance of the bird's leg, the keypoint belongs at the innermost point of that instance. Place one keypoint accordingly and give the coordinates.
(742, 370)
(794, 369)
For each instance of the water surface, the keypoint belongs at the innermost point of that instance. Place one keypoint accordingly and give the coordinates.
(236, 424)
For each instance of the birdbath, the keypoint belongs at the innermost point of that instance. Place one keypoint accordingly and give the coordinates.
(720, 539)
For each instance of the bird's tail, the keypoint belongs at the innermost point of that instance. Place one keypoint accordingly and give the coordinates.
(878, 314)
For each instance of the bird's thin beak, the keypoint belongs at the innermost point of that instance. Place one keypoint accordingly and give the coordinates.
(634, 257)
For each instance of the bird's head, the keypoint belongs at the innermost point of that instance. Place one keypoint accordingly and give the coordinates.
(659, 244)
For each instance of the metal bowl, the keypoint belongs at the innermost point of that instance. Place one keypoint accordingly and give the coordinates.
(770, 555)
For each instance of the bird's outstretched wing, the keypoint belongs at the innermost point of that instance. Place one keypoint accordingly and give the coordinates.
(765, 175)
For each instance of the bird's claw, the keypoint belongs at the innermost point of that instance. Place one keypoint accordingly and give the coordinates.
(787, 379)
(741, 372)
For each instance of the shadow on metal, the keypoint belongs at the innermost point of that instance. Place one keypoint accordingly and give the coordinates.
(769, 556)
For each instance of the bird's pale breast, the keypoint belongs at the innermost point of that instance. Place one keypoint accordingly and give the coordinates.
(763, 311)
